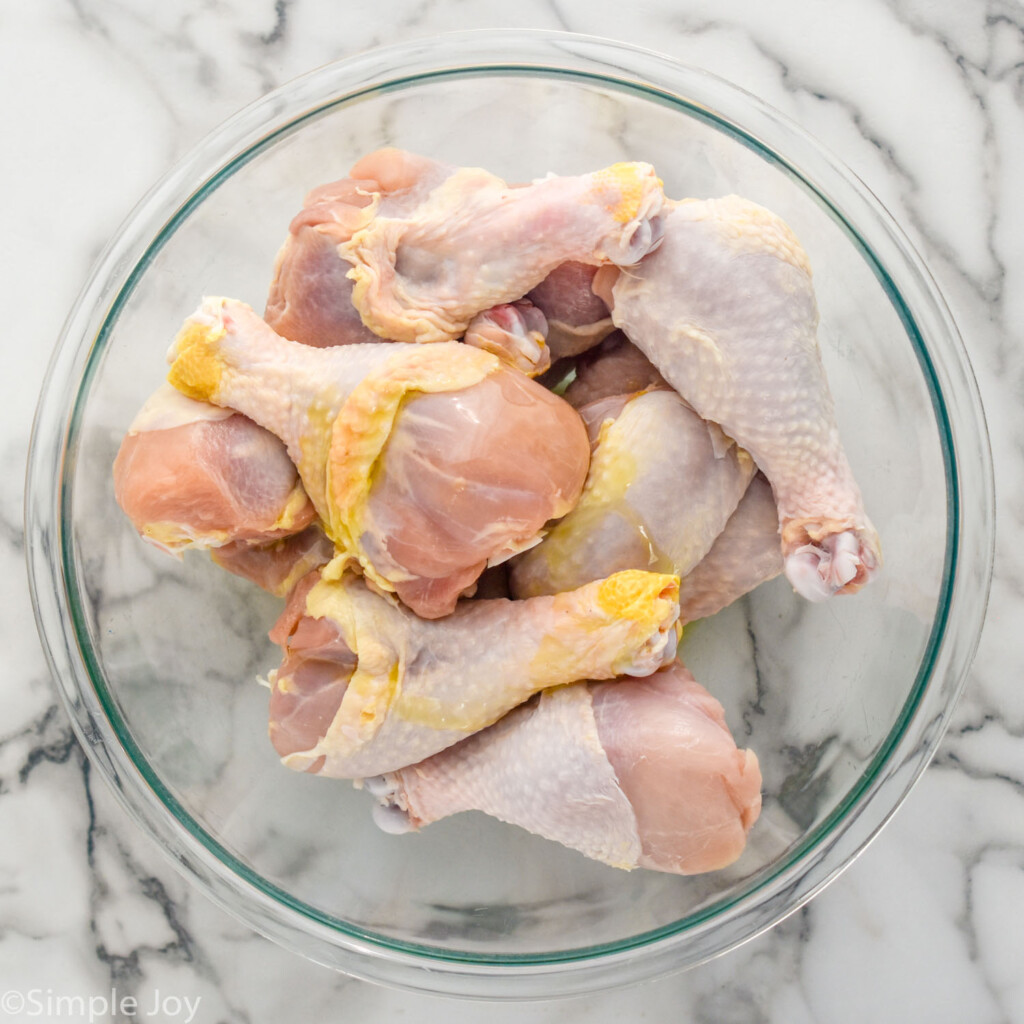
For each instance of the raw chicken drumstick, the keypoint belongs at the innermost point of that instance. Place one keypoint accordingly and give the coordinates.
(191, 475)
(661, 486)
(424, 463)
(456, 260)
(367, 687)
(636, 773)
(725, 310)
(659, 784)
(434, 253)
(310, 296)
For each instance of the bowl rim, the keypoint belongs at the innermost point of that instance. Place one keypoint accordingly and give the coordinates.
(820, 856)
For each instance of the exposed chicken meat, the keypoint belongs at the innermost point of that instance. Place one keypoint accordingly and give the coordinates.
(367, 687)
(310, 297)
(189, 474)
(637, 773)
(615, 367)
(661, 487)
(577, 318)
(424, 464)
(726, 311)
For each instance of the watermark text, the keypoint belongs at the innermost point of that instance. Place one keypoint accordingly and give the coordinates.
(50, 1005)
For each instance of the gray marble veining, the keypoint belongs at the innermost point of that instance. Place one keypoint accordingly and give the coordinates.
(924, 101)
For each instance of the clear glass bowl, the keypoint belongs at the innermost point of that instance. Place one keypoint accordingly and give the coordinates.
(844, 702)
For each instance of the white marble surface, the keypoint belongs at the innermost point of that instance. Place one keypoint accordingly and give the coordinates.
(924, 99)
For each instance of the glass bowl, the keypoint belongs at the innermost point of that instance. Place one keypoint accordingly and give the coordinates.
(843, 702)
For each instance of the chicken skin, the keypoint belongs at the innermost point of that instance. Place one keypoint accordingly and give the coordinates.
(634, 773)
(662, 485)
(367, 687)
(192, 475)
(413, 249)
(726, 312)
(744, 555)
(434, 253)
(310, 296)
(424, 463)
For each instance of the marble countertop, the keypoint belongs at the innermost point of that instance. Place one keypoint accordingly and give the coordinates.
(924, 100)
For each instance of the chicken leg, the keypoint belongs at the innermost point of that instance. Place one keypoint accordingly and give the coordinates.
(366, 687)
(636, 773)
(661, 487)
(725, 310)
(310, 296)
(192, 475)
(424, 463)
(423, 269)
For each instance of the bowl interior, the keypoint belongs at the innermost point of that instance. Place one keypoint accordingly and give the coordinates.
(175, 649)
